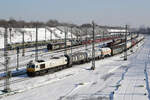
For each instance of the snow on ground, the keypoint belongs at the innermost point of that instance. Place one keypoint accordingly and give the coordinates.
(116, 30)
(113, 79)
(66, 83)
(30, 34)
(132, 83)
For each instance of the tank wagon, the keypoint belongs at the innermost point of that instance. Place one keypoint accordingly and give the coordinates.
(41, 67)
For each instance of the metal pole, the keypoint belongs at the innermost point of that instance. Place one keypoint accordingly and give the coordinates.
(80, 32)
(131, 42)
(36, 45)
(77, 35)
(125, 51)
(71, 40)
(17, 59)
(103, 39)
(45, 33)
(93, 49)
(8, 73)
(65, 52)
(23, 50)
(10, 29)
(51, 35)
(71, 45)
(86, 40)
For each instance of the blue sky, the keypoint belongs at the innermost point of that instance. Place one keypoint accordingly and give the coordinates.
(104, 12)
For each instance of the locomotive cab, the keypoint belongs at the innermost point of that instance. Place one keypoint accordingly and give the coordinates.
(32, 67)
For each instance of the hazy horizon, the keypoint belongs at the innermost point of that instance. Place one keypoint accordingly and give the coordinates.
(103, 12)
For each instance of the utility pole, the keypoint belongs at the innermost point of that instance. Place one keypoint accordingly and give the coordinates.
(103, 39)
(71, 40)
(71, 44)
(10, 29)
(77, 35)
(93, 49)
(51, 35)
(125, 51)
(23, 50)
(17, 59)
(86, 40)
(36, 44)
(8, 73)
(80, 32)
(66, 30)
(131, 41)
(45, 33)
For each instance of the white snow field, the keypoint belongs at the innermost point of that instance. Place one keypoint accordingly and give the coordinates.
(116, 30)
(113, 79)
(30, 34)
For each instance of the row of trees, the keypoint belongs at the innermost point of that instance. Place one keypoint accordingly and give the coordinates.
(21, 23)
(51, 23)
(144, 30)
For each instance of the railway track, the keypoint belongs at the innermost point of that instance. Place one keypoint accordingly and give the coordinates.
(15, 81)
(19, 73)
(43, 52)
(49, 54)
(43, 47)
(25, 78)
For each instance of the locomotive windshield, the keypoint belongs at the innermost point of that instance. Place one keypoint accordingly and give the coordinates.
(31, 66)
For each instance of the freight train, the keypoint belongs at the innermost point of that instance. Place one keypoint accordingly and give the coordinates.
(30, 44)
(41, 67)
(116, 40)
(61, 45)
